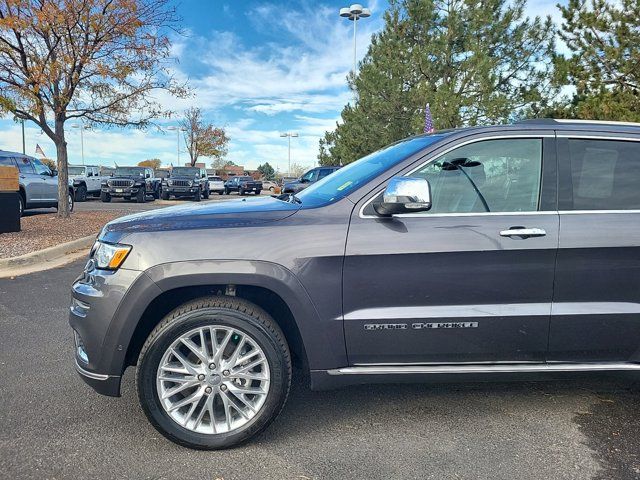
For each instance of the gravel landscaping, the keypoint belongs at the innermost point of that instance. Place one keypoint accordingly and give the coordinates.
(46, 230)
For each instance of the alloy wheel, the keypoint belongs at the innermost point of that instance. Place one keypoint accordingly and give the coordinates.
(213, 379)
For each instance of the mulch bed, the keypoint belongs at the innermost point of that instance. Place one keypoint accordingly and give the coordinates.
(46, 230)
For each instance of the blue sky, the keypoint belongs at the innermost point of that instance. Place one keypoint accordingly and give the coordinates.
(257, 69)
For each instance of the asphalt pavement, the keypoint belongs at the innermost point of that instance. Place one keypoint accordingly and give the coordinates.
(54, 426)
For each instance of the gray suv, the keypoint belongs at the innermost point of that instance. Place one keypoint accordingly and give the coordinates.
(38, 183)
(480, 253)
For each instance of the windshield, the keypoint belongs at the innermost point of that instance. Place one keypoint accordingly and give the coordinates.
(344, 181)
(185, 171)
(76, 171)
(129, 171)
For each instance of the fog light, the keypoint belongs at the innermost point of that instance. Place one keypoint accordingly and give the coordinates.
(81, 353)
(79, 308)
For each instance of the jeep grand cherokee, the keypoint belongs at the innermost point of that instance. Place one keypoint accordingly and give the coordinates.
(485, 252)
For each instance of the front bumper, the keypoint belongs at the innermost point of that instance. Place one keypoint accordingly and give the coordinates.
(179, 191)
(121, 191)
(108, 385)
(99, 352)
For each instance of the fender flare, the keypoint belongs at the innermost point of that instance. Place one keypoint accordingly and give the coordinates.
(323, 340)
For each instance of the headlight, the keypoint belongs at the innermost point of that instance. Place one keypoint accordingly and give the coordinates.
(110, 257)
(169, 182)
(190, 183)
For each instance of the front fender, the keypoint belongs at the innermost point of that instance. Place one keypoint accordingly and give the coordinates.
(323, 339)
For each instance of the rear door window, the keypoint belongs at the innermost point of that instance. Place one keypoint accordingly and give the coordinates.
(605, 174)
(7, 162)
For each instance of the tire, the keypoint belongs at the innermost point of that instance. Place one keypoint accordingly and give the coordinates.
(231, 318)
(141, 196)
(81, 193)
(21, 204)
(165, 195)
(221, 192)
(198, 195)
(71, 200)
(226, 191)
(206, 194)
(271, 189)
(241, 192)
(105, 197)
(156, 194)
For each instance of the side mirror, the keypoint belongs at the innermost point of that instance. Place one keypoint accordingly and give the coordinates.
(54, 173)
(147, 176)
(404, 195)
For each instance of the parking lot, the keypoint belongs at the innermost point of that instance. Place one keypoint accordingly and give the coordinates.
(53, 426)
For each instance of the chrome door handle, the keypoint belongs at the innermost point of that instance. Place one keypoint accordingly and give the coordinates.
(523, 232)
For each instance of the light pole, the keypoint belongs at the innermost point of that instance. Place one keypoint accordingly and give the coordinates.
(354, 13)
(178, 130)
(81, 127)
(289, 135)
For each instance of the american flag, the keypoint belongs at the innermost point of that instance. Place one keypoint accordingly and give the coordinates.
(428, 121)
(39, 151)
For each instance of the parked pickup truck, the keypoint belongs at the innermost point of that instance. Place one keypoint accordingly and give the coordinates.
(186, 182)
(86, 181)
(501, 252)
(242, 185)
(131, 182)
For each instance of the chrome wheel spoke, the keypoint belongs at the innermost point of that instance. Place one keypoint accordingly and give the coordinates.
(213, 379)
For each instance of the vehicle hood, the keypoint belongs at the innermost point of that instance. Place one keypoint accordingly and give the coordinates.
(231, 213)
(183, 177)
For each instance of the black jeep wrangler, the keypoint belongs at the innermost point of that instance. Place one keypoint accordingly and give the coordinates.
(131, 182)
(186, 182)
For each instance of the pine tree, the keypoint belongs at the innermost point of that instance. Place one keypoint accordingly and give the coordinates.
(604, 66)
(474, 62)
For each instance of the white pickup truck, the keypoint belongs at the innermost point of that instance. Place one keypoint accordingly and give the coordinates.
(86, 181)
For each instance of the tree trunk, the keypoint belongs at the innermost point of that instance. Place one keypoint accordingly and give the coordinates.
(63, 172)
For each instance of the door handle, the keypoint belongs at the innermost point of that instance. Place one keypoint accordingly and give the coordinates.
(523, 232)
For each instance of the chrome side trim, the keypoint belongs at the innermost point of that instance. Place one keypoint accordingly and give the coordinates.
(492, 310)
(597, 122)
(88, 374)
(444, 152)
(514, 368)
(473, 214)
(598, 137)
(584, 212)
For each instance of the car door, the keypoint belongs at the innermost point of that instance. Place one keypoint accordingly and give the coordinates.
(33, 184)
(469, 281)
(596, 306)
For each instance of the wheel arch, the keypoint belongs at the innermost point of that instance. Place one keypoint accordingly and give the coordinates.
(314, 343)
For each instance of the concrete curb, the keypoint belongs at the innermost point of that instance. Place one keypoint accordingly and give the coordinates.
(46, 255)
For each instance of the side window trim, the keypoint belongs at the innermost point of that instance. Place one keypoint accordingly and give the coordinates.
(548, 138)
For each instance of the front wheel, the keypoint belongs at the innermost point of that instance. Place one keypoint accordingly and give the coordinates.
(198, 195)
(81, 193)
(141, 196)
(214, 373)
(206, 194)
(105, 197)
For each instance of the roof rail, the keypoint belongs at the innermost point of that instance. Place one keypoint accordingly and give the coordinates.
(550, 121)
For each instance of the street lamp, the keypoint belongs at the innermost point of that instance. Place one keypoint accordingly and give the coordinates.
(81, 127)
(354, 13)
(289, 135)
(177, 130)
